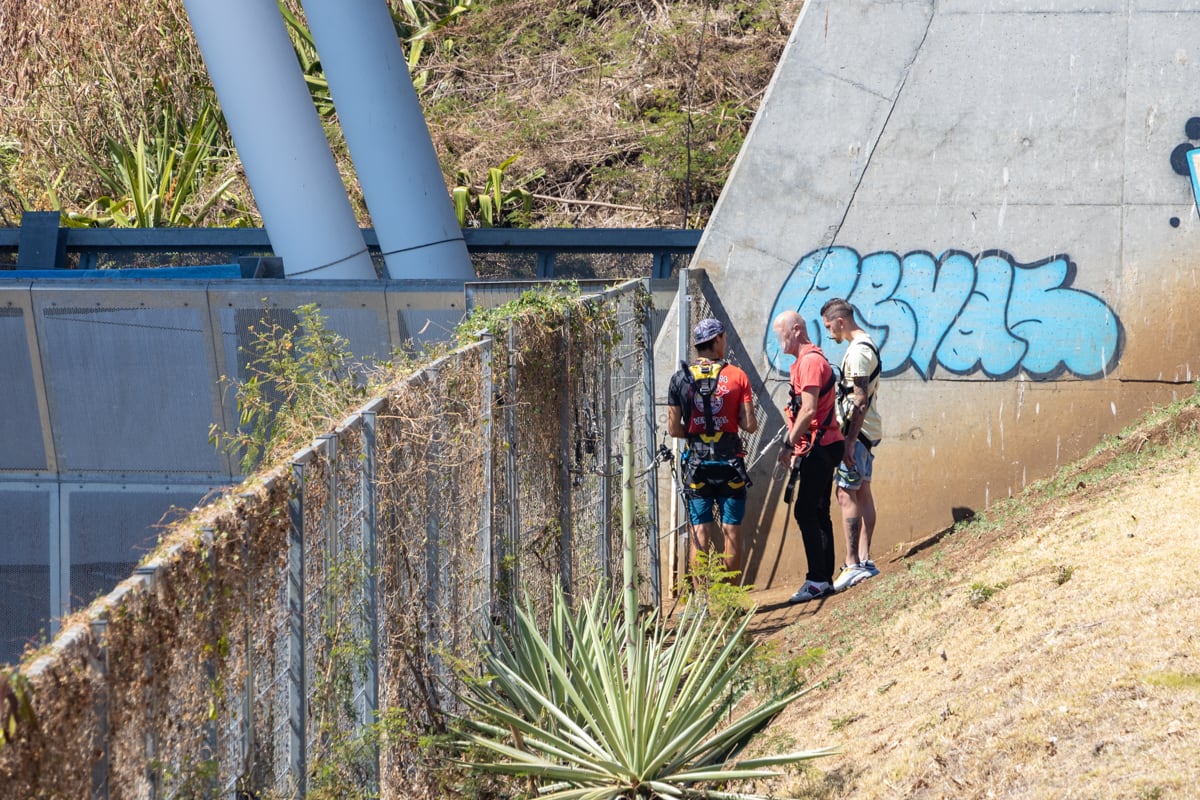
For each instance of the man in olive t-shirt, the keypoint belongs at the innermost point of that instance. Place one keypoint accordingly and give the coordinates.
(861, 423)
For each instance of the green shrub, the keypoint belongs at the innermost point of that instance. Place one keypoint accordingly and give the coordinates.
(600, 706)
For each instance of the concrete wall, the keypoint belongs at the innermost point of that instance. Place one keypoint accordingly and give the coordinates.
(1002, 188)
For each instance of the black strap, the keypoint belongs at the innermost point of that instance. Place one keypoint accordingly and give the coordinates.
(878, 360)
(874, 374)
(830, 385)
(689, 380)
(862, 437)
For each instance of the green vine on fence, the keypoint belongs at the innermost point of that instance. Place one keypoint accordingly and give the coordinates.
(300, 378)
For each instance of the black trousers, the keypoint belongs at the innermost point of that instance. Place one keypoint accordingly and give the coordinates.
(811, 508)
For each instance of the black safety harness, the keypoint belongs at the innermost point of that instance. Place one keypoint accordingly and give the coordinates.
(714, 457)
(844, 391)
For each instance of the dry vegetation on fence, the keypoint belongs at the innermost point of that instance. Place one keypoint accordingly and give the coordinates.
(634, 110)
(145, 691)
(169, 626)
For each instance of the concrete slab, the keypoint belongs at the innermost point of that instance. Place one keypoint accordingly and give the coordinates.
(1004, 189)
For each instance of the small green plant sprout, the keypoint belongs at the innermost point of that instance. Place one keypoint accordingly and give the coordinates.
(716, 586)
(601, 706)
(1063, 573)
(494, 206)
(981, 592)
(840, 723)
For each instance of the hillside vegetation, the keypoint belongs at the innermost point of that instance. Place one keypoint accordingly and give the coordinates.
(610, 113)
(1048, 649)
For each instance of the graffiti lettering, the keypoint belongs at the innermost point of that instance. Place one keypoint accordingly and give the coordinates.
(1185, 160)
(989, 314)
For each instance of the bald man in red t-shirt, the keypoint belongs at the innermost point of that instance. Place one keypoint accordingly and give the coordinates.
(817, 448)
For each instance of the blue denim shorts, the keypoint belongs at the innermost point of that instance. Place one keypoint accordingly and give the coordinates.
(733, 508)
(864, 465)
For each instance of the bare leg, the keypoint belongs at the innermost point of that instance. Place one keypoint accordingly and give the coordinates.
(852, 521)
(703, 536)
(866, 507)
(733, 547)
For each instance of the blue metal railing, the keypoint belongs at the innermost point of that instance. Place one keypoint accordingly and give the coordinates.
(40, 244)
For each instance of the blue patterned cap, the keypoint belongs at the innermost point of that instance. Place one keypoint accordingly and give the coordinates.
(707, 330)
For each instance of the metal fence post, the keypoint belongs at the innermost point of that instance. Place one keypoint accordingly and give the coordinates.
(434, 589)
(512, 492)
(628, 537)
(370, 706)
(99, 628)
(333, 545)
(679, 533)
(153, 766)
(248, 733)
(606, 447)
(564, 463)
(487, 390)
(648, 419)
(297, 683)
(210, 663)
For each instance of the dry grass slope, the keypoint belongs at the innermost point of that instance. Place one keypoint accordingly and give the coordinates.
(630, 111)
(1050, 653)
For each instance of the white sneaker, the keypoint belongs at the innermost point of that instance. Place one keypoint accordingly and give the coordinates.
(811, 590)
(870, 567)
(850, 575)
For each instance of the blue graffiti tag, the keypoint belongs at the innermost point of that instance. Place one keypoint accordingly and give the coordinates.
(1185, 160)
(988, 314)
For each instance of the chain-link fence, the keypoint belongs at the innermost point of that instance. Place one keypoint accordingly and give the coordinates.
(305, 637)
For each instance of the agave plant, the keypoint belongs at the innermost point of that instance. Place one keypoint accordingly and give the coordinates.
(172, 180)
(601, 707)
(494, 206)
(415, 21)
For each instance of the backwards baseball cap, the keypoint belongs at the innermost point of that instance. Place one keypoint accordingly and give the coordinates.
(707, 330)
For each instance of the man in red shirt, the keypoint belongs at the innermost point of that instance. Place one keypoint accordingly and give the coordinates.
(708, 402)
(817, 449)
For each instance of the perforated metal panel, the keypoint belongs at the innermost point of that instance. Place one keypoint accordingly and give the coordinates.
(424, 312)
(129, 380)
(21, 444)
(111, 528)
(24, 565)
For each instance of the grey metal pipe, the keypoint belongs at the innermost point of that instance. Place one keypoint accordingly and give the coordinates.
(279, 138)
(389, 140)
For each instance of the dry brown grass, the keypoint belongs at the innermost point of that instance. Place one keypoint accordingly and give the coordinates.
(71, 73)
(1053, 656)
(635, 109)
(595, 93)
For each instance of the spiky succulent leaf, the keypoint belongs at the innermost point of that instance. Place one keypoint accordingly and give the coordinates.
(597, 706)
